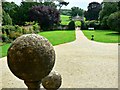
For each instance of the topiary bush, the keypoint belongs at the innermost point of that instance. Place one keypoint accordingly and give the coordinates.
(71, 25)
(114, 21)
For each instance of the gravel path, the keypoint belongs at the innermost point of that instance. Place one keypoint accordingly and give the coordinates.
(82, 64)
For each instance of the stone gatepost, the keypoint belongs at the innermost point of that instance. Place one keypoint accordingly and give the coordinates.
(31, 58)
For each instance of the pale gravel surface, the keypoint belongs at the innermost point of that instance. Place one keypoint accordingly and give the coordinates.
(82, 64)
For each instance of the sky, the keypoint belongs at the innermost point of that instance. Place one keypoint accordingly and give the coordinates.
(77, 3)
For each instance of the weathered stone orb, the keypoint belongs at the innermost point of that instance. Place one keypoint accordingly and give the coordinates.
(31, 57)
(52, 81)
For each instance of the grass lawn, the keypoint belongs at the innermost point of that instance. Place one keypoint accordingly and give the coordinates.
(106, 36)
(4, 48)
(64, 19)
(55, 37)
(59, 37)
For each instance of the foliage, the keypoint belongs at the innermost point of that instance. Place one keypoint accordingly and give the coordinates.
(4, 38)
(46, 16)
(114, 21)
(65, 12)
(75, 11)
(12, 32)
(64, 19)
(29, 23)
(83, 25)
(106, 36)
(12, 9)
(6, 19)
(93, 23)
(104, 24)
(71, 25)
(119, 5)
(20, 14)
(93, 11)
(108, 8)
(36, 28)
(77, 23)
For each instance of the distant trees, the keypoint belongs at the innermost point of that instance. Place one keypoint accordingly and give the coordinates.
(93, 11)
(76, 10)
(46, 16)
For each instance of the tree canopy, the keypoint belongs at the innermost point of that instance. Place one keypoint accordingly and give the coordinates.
(76, 10)
(93, 11)
(46, 16)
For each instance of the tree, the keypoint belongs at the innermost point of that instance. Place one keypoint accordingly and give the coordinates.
(23, 12)
(75, 11)
(119, 5)
(6, 19)
(108, 8)
(93, 11)
(114, 21)
(46, 16)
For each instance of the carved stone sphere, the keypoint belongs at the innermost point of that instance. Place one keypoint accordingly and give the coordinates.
(31, 57)
(52, 81)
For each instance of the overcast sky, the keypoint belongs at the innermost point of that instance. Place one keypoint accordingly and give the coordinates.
(78, 3)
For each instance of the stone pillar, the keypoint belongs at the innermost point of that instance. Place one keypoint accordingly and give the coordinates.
(31, 57)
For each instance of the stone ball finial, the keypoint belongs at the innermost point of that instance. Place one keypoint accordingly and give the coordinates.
(31, 57)
(52, 81)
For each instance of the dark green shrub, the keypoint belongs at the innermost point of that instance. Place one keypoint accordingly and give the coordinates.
(4, 38)
(71, 25)
(83, 25)
(114, 21)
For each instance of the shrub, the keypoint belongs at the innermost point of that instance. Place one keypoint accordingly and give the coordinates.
(46, 16)
(71, 25)
(83, 25)
(12, 32)
(13, 35)
(4, 38)
(114, 21)
(36, 28)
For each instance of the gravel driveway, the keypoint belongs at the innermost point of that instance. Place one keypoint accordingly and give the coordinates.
(82, 64)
